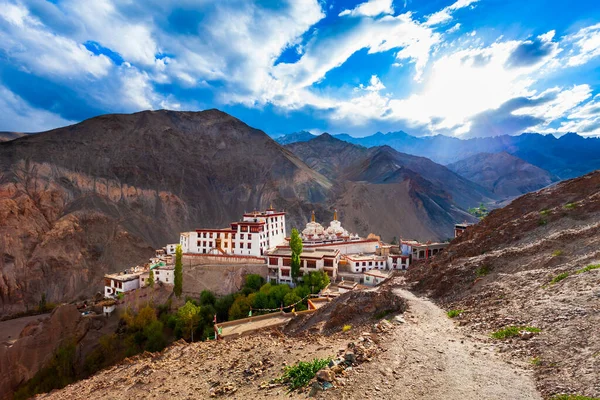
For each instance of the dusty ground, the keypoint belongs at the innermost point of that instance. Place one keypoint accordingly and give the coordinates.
(501, 272)
(427, 357)
(10, 329)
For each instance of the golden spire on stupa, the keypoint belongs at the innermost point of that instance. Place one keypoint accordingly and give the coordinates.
(312, 217)
(335, 214)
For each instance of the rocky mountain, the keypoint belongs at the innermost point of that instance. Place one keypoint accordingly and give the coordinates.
(534, 263)
(503, 173)
(302, 136)
(566, 157)
(6, 136)
(427, 197)
(98, 196)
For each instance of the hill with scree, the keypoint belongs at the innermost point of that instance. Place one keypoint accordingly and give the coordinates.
(534, 263)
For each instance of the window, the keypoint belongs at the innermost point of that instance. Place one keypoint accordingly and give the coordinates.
(249, 245)
(311, 264)
(329, 262)
(242, 236)
(210, 235)
(167, 280)
(233, 245)
(285, 272)
(273, 261)
(370, 263)
(204, 243)
(287, 262)
(204, 235)
(364, 263)
(249, 236)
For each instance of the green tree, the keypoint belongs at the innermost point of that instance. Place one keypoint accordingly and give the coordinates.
(207, 298)
(189, 314)
(316, 281)
(151, 279)
(155, 338)
(291, 298)
(240, 308)
(254, 282)
(178, 271)
(394, 241)
(296, 246)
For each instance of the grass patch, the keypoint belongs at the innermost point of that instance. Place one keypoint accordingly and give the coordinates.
(513, 331)
(557, 253)
(545, 212)
(559, 278)
(588, 268)
(346, 328)
(300, 374)
(454, 313)
(573, 397)
(482, 271)
(536, 361)
(542, 221)
(383, 314)
(570, 206)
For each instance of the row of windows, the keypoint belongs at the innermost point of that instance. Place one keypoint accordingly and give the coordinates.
(364, 263)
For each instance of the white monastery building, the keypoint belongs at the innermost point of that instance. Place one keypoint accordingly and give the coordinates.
(256, 233)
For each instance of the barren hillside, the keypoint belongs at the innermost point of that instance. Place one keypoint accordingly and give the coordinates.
(533, 263)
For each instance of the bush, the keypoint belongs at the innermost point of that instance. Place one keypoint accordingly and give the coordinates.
(254, 282)
(300, 374)
(454, 313)
(513, 331)
(573, 397)
(570, 206)
(482, 271)
(207, 298)
(545, 212)
(536, 361)
(542, 222)
(346, 328)
(557, 253)
(559, 278)
(588, 268)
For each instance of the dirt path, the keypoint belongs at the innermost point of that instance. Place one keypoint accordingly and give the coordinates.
(429, 358)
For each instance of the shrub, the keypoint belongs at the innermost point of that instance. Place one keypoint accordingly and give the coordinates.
(346, 328)
(570, 206)
(383, 314)
(573, 397)
(559, 278)
(482, 271)
(454, 313)
(545, 212)
(588, 268)
(300, 374)
(207, 298)
(557, 253)
(512, 331)
(536, 361)
(542, 222)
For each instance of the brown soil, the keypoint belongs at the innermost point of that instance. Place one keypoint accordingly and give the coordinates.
(426, 357)
(517, 251)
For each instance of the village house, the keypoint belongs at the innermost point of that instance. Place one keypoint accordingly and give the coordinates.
(375, 277)
(121, 282)
(460, 228)
(254, 235)
(321, 259)
(164, 274)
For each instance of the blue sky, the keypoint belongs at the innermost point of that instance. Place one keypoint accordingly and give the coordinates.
(468, 68)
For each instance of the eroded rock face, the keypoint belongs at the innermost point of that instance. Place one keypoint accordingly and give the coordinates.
(37, 344)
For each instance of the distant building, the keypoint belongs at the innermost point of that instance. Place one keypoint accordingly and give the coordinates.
(421, 251)
(322, 259)
(120, 283)
(164, 274)
(254, 235)
(460, 228)
(375, 277)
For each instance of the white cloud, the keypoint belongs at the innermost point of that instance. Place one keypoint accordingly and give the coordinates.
(18, 116)
(586, 43)
(563, 102)
(445, 14)
(375, 85)
(371, 8)
(455, 28)
(24, 38)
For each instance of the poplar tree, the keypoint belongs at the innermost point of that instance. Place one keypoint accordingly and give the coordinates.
(151, 279)
(296, 246)
(178, 278)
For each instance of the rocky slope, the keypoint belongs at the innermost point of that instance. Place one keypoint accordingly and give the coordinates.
(6, 136)
(79, 201)
(503, 174)
(419, 198)
(302, 136)
(525, 265)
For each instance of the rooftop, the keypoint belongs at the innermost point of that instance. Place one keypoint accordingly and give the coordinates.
(311, 252)
(365, 257)
(377, 273)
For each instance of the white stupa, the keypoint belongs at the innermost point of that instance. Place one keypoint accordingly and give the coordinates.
(334, 232)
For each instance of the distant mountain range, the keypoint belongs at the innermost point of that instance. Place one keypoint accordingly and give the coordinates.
(566, 157)
(503, 174)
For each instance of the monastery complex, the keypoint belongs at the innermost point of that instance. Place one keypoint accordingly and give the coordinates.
(260, 237)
